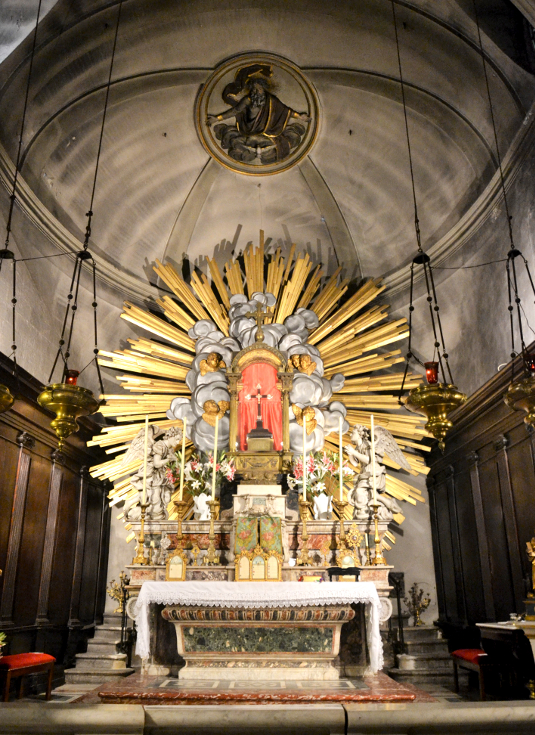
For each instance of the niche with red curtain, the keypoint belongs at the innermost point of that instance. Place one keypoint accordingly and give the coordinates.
(263, 375)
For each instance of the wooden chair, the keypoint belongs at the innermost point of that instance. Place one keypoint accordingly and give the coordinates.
(20, 665)
(473, 659)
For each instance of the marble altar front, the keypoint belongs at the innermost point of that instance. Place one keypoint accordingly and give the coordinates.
(274, 631)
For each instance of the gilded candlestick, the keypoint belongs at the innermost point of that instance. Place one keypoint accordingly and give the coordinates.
(378, 559)
(140, 556)
(181, 507)
(304, 558)
(340, 506)
(212, 556)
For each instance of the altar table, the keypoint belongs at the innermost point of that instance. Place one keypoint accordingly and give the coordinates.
(261, 595)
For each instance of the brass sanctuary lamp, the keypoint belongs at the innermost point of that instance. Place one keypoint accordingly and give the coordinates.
(6, 398)
(69, 402)
(435, 401)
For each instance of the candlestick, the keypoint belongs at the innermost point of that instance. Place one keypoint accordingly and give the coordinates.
(304, 456)
(144, 494)
(183, 458)
(215, 458)
(212, 556)
(140, 557)
(374, 483)
(340, 463)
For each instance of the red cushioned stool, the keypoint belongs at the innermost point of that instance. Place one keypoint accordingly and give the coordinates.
(22, 664)
(473, 659)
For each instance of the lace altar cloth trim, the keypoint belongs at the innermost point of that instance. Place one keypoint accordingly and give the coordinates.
(257, 595)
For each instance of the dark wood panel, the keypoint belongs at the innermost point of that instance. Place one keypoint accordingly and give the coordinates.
(481, 533)
(39, 525)
(474, 603)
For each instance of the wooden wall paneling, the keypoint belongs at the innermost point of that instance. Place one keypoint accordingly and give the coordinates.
(500, 569)
(522, 474)
(89, 578)
(9, 454)
(60, 592)
(482, 543)
(473, 598)
(456, 545)
(51, 532)
(74, 613)
(33, 537)
(103, 548)
(446, 549)
(511, 529)
(437, 554)
(25, 441)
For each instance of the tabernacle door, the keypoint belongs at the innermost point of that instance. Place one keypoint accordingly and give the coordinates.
(260, 379)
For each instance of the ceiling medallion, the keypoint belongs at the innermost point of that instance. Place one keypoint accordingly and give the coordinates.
(257, 114)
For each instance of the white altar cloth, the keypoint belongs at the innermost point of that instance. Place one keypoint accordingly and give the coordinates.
(260, 594)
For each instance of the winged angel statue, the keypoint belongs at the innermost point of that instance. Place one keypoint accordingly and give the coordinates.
(360, 455)
(159, 489)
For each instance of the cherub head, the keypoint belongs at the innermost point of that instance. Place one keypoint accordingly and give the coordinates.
(211, 407)
(358, 434)
(214, 360)
(305, 361)
(309, 413)
(294, 359)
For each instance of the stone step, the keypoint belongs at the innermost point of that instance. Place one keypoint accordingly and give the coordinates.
(95, 676)
(89, 661)
(426, 647)
(422, 633)
(107, 633)
(98, 646)
(420, 661)
(422, 675)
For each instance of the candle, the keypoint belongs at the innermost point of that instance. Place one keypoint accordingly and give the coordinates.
(373, 462)
(144, 495)
(215, 459)
(183, 458)
(304, 456)
(341, 462)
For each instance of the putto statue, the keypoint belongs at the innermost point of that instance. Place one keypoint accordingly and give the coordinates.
(159, 488)
(360, 455)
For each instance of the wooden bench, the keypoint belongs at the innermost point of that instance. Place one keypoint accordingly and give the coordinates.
(473, 659)
(22, 664)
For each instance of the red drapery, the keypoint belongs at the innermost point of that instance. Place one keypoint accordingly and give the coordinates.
(260, 373)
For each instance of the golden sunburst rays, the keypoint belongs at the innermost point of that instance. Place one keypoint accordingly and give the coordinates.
(353, 337)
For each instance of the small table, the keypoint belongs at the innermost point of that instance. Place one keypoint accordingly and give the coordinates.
(510, 652)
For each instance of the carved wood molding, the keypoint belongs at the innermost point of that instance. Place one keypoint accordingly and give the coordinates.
(51, 531)
(25, 441)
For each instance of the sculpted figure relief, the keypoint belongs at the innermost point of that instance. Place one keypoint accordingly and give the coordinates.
(264, 126)
(214, 410)
(303, 363)
(309, 414)
(159, 489)
(212, 364)
(360, 455)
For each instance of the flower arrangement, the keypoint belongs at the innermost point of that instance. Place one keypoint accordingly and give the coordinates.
(198, 472)
(323, 473)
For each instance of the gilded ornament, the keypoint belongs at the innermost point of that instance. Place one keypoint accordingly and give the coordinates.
(520, 396)
(212, 364)
(303, 363)
(436, 402)
(69, 403)
(309, 414)
(6, 398)
(214, 410)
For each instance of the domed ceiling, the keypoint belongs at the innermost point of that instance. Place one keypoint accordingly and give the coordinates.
(349, 201)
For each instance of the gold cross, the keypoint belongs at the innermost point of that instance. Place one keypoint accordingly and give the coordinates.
(259, 316)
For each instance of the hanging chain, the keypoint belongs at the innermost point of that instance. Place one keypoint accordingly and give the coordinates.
(416, 219)
(84, 255)
(498, 156)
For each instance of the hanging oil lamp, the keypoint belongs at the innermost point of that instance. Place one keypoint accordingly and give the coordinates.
(520, 395)
(67, 399)
(437, 399)
(69, 402)
(434, 400)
